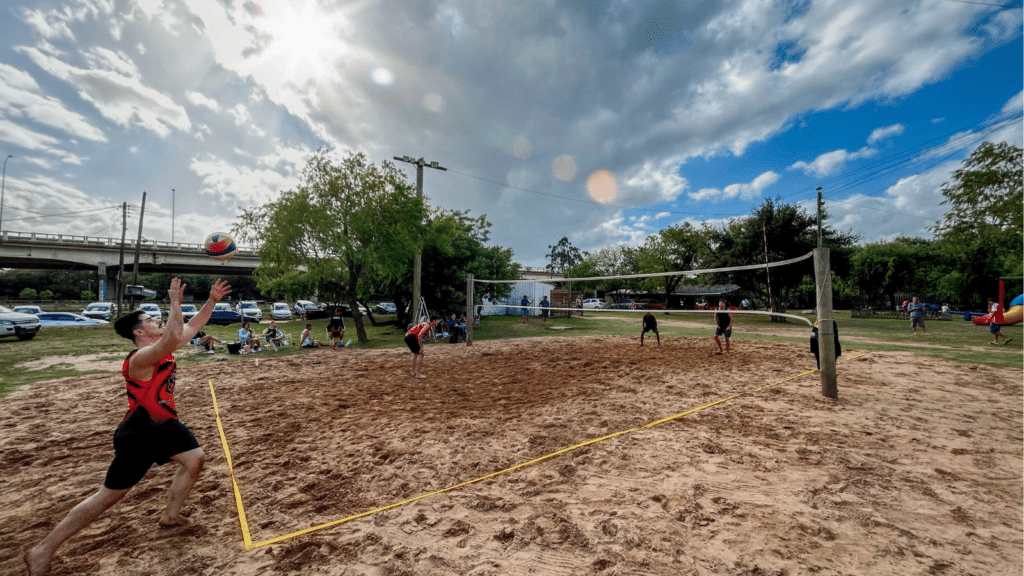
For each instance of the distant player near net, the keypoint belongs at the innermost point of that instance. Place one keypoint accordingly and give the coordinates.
(650, 324)
(723, 326)
(414, 340)
(150, 432)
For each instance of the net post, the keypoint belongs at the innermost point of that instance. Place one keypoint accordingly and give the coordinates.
(826, 335)
(470, 313)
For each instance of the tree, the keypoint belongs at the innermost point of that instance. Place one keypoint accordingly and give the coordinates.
(903, 265)
(677, 248)
(346, 220)
(454, 245)
(791, 233)
(981, 234)
(564, 255)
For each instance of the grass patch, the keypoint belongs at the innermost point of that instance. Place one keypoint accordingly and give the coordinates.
(957, 340)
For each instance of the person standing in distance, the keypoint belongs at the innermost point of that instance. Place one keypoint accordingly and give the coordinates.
(414, 340)
(336, 329)
(544, 312)
(650, 323)
(526, 311)
(916, 310)
(150, 432)
(723, 326)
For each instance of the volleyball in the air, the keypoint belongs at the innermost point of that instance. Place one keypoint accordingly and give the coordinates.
(220, 246)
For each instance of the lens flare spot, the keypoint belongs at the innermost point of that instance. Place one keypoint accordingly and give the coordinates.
(522, 148)
(564, 168)
(382, 76)
(602, 186)
(433, 102)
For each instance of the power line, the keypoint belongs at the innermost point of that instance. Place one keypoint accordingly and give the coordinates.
(63, 214)
(987, 4)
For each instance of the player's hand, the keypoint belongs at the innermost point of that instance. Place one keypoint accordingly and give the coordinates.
(219, 290)
(175, 292)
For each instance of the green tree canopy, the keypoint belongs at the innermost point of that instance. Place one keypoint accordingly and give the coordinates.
(791, 232)
(981, 234)
(347, 219)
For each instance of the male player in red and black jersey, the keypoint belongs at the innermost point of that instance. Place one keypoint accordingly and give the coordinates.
(150, 432)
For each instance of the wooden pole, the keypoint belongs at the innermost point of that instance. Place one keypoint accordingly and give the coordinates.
(470, 313)
(138, 248)
(826, 335)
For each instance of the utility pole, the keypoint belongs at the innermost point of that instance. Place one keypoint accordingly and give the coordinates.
(819, 216)
(120, 268)
(138, 248)
(417, 266)
(172, 215)
(3, 184)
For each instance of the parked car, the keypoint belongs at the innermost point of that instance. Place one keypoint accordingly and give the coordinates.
(385, 308)
(280, 311)
(308, 310)
(249, 309)
(629, 304)
(24, 326)
(594, 303)
(67, 319)
(28, 309)
(100, 310)
(188, 311)
(224, 315)
(152, 309)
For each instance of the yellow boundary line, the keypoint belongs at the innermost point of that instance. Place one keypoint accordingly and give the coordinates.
(250, 545)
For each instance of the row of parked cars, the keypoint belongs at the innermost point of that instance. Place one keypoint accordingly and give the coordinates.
(25, 321)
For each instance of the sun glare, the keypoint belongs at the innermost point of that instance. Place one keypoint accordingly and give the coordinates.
(309, 38)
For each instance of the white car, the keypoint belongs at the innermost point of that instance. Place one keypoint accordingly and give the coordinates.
(594, 303)
(24, 326)
(280, 311)
(152, 310)
(188, 311)
(250, 310)
(100, 311)
(28, 309)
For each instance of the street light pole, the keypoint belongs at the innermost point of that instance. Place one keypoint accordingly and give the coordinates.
(417, 266)
(172, 215)
(3, 184)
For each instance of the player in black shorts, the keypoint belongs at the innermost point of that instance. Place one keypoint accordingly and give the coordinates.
(150, 432)
(650, 325)
(723, 326)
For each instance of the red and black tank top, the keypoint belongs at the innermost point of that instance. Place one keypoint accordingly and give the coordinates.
(156, 395)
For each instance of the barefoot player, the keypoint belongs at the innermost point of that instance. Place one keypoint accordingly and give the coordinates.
(650, 324)
(723, 326)
(150, 432)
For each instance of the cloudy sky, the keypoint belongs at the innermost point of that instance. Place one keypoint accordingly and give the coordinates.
(603, 121)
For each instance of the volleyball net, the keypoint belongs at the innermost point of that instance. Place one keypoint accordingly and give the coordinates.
(517, 307)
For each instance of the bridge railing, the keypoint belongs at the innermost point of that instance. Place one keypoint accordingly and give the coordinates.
(73, 239)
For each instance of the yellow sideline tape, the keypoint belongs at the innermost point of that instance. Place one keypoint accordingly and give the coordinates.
(250, 545)
(234, 483)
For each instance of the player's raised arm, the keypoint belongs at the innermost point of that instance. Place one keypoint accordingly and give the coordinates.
(155, 339)
(219, 290)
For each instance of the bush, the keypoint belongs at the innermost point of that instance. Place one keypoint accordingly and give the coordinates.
(88, 295)
(28, 294)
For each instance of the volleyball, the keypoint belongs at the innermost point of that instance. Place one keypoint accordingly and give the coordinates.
(220, 246)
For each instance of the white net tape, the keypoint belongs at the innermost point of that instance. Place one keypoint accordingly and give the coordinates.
(518, 307)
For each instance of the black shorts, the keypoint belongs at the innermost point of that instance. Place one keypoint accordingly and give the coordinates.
(650, 329)
(414, 343)
(139, 443)
(336, 333)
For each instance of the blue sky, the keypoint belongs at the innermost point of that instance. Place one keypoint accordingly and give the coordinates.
(599, 120)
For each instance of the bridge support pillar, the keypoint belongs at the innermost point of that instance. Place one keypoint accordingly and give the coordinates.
(107, 282)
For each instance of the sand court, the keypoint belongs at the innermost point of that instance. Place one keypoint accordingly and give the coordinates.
(915, 469)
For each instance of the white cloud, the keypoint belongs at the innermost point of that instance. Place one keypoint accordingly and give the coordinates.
(119, 98)
(887, 132)
(749, 191)
(831, 162)
(200, 100)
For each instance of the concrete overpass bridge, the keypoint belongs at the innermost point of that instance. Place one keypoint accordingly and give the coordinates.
(36, 251)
